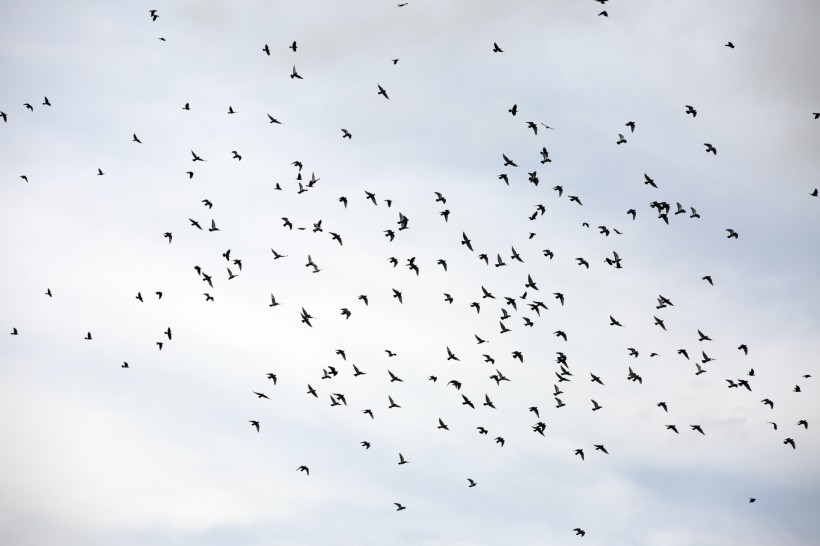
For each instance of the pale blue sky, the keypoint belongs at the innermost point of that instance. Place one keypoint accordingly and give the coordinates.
(162, 453)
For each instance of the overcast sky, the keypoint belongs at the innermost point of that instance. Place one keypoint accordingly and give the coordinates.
(162, 452)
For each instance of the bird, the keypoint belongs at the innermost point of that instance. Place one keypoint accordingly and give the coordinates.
(441, 425)
(266, 49)
(465, 241)
(365, 444)
(649, 181)
(260, 395)
(399, 507)
(402, 460)
(293, 46)
(29, 106)
(295, 74)
(153, 14)
(600, 447)
(255, 424)
(697, 428)
(382, 92)
(579, 531)
(88, 336)
(691, 110)
(497, 49)
(513, 110)
(196, 157)
(659, 322)
(730, 45)
(304, 469)
(631, 125)
(595, 406)
(580, 452)
(710, 148)
(731, 234)
(803, 423)
(621, 139)
(472, 482)
(499, 440)
(790, 442)
(273, 119)
(135, 139)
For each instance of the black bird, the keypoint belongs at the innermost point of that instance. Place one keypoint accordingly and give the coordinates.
(382, 92)
(663, 405)
(497, 49)
(790, 442)
(579, 531)
(442, 425)
(293, 46)
(673, 428)
(472, 482)
(730, 45)
(304, 469)
(708, 278)
(697, 428)
(346, 134)
(399, 507)
(710, 148)
(466, 241)
(255, 424)
(649, 182)
(621, 139)
(513, 110)
(295, 74)
(266, 49)
(631, 125)
(600, 447)
(580, 452)
(691, 110)
(196, 157)
(500, 440)
(135, 139)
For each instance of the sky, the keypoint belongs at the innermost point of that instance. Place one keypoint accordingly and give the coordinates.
(163, 452)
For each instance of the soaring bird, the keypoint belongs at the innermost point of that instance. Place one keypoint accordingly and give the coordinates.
(497, 49)
(382, 92)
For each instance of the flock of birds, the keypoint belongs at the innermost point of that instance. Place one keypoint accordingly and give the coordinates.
(524, 310)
